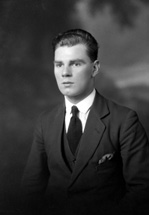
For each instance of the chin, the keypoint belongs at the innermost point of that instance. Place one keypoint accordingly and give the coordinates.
(69, 94)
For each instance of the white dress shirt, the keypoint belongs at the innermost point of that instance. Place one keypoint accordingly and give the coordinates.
(83, 107)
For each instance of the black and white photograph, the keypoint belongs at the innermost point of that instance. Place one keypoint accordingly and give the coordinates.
(74, 107)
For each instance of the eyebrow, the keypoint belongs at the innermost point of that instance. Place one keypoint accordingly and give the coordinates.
(71, 61)
(57, 61)
(77, 60)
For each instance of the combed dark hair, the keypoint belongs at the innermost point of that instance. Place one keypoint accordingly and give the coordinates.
(77, 36)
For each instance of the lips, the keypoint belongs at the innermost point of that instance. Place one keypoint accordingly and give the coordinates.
(67, 82)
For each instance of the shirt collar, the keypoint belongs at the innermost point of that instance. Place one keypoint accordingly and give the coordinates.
(83, 105)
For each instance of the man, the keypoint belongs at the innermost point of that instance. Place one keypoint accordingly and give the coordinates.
(102, 168)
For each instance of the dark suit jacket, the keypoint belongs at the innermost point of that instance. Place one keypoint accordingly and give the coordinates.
(111, 173)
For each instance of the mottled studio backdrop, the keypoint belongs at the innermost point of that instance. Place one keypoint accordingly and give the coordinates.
(27, 84)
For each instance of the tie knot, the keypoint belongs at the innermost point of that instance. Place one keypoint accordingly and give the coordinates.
(74, 111)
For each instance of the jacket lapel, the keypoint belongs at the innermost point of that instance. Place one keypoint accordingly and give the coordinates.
(92, 135)
(56, 137)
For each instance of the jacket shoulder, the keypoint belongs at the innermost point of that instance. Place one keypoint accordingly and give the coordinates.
(119, 108)
(50, 113)
(117, 111)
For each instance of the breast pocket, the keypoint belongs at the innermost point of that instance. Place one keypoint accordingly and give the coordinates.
(107, 163)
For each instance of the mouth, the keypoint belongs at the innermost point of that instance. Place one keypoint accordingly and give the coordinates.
(67, 83)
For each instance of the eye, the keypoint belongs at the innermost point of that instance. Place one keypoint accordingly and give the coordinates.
(76, 64)
(58, 65)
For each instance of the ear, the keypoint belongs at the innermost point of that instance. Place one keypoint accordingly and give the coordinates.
(96, 66)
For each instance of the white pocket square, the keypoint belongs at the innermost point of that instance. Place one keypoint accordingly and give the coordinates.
(106, 157)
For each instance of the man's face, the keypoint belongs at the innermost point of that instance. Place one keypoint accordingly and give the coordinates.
(74, 72)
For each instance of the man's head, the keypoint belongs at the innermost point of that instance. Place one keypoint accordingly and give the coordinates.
(74, 37)
(75, 64)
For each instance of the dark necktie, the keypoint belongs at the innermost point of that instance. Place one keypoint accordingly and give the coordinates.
(75, 130)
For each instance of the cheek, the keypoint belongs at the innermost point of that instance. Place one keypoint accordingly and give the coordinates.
(82, 83)
(57, 76)
(84, 79)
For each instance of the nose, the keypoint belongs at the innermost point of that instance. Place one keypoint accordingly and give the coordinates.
(66, 71)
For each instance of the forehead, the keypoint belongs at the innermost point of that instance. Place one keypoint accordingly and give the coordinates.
(76, 51)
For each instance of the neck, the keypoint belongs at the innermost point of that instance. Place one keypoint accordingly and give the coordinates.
(77, 100)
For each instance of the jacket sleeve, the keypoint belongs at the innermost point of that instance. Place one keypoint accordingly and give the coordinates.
(36, 173)
(134, 148)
